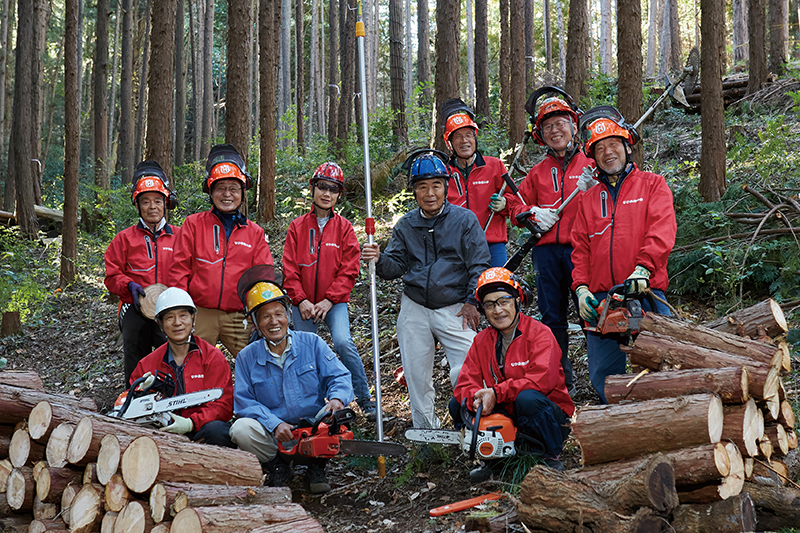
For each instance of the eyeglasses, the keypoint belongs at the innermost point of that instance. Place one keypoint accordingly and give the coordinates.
(233, 189)
(559, 123)
(504, 302)
(324, 187)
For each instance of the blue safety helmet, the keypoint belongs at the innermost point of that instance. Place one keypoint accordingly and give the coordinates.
(426, 164)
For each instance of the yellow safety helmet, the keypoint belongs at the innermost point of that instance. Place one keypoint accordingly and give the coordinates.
(258, 286)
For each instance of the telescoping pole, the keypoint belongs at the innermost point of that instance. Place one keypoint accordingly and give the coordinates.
(369, 225)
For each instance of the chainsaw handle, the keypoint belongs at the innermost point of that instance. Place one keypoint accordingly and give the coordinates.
(474, 442)
(129, 398)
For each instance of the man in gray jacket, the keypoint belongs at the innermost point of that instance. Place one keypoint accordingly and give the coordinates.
(440, 251)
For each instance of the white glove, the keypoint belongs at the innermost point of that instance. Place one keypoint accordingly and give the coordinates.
(639, 280)
(545, 217)
(586, 180)
(180, 425)
(587, 303)
(147, 383)
(498, 203)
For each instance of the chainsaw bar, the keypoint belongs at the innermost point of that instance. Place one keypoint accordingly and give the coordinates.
(147, 405)
(435, 436)
(371, 448)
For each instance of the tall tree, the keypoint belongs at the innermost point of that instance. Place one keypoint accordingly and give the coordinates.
(530, 46)
(269, 21)
(22, 123)
(482, 59)
(142, 99)
(333, 68)
(448, 72)
(161, 85)
(758, 56)
(605, 37)
(300, 74)
(652, 36)
(100, 96)
(712, 154)
(72, 132)
(505, 64)
(112, 97)
(778, 35)
(179, 142)
(516, 123)
(740, 36)
(207, 131)
(41, 22)
(237, 104)
(397, 75)
(424, 53)
(4, 56)
(125, 159)
(562, 47)
(285, 70)
(629, 64)
(470, 55)
(577, 61)
(314, 73)
(196, 41)
(408, 49)
(548, 40)
(676, 45)
(347, 30)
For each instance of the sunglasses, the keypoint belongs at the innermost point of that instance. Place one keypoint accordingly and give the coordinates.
(324, 187)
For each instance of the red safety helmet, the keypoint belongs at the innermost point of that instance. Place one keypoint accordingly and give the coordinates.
(552, 106)
(603, 128)
(328, 172)
(456, 122)
(500, 278)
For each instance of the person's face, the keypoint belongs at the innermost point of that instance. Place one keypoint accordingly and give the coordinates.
(430, 194)
(151, 207)
(272, 321)
(610, 155)
(177, 325)
(463, 142)
(326, 194)
(557, 132)
(501, 310)
(227, 195)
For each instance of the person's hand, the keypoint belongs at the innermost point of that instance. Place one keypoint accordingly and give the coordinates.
(370, 252)
(180, 425)
(587, 303)
(470, 318)
(545, 217)
(638, 281)
(321, 309)
(283, 432)
(497, 203)
(136, 292)
(306, 309)
(586, 180)
(487, 397)
(334, 405)
(147, 383)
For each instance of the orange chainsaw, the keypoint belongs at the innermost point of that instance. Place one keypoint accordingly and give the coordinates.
(620, 312)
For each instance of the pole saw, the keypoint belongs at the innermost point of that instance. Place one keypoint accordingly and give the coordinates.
(369, 227)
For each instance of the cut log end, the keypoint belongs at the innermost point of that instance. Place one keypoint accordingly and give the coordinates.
(56, 450)
(715, 419)
(140, 464)
(186, 521)
(39, 420)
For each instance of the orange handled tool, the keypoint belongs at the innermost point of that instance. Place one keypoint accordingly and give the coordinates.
(466, 504)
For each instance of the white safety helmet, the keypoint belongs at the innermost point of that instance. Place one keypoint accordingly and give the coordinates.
(174, 298)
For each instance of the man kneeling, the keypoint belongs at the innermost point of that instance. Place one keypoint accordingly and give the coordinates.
(514, 367)
(280, 379)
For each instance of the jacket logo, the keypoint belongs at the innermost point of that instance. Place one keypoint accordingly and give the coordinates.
(166, 248)
(486, 182)
(242, 243)
(197, 376)
(633, 201)
(520, 363)
(332, 244)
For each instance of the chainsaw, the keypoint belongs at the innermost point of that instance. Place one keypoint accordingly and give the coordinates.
(152, 404)
(620, 312)
(491, 436)
(328, 435)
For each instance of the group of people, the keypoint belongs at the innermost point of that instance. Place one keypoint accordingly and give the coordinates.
(449, 252)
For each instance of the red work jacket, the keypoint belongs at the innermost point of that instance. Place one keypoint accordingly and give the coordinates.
(320, 264)
(474, 191)
(611, 237)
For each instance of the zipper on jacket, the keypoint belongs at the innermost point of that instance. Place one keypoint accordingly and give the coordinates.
(155, 250)
(319, 251)
(149, 245)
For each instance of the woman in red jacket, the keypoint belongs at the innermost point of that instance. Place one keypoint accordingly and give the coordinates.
(321, 260)
(514, 367)
(139, 256)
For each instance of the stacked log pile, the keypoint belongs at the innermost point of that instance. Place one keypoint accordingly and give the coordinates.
(65, 467)
(710, 407)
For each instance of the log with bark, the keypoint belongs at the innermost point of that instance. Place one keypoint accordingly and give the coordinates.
(774, 472)
(47, 525)
(730, 485)
(108, 457)
(178, 496)
(612, 432)
(70, 491)
(5, 469)
(44, 510)
(21, 378)
(649, 484)
(778, 438)
(303, 525)
(776, 507)
(51, 482)
(743, 425)
(734, 515)
(234, 518)
(491, 524)
(552, 501)
(767, 313)
(146, 460)
(729, 383)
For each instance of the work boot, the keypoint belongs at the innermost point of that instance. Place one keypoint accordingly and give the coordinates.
(480, 474)
(562, 337)
(554, 463)
(315, 477)
(369, 410)
(279, 472)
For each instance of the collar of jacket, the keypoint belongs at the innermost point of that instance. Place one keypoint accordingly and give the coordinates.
(192, 347)
(419, 220)
(570, 152)
(479, 162)
(333, 213)
(265, 355)
(164, 227)
(603, 177)
(238, 218)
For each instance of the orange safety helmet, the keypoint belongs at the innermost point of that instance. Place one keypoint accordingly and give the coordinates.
(603, 128)
(456, 122)
(150, 177)
(552, 106)
(500, 278)
(225, 162)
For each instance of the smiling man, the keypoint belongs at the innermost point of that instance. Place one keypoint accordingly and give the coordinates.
(439, 250)
(623, 233)
(514, 368)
